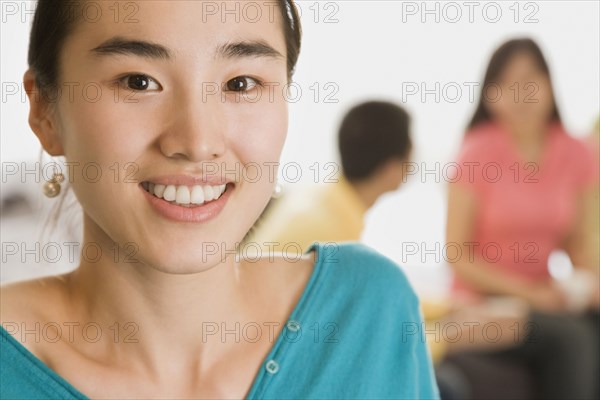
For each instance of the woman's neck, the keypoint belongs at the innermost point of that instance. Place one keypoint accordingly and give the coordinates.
(174, 316)
(528, 138)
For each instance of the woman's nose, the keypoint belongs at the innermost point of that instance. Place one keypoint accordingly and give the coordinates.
(196, 131)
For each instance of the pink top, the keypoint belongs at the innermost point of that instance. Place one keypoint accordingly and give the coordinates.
(524, 210)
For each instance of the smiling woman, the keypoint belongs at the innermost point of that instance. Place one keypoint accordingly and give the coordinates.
(166, 308)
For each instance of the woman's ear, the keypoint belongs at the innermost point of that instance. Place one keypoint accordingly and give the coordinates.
(41, 118)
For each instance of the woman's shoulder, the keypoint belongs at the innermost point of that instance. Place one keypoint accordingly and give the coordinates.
(481, 144)
(27, 310)
(363, 271)
(26, 303)
(569, 144)
(574, 155)
(346, 271)
(483, 141)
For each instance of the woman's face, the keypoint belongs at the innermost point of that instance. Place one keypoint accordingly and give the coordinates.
(522, 96)
(175, 120)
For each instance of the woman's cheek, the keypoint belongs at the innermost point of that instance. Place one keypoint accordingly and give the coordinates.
(110, 131)
(101, 147)
(499, 109)
(260, 131)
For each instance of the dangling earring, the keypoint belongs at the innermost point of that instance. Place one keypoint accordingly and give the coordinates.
(52, 187)
(277, 191)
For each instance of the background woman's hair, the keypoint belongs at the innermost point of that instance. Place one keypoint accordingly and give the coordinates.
(55, 20)
(500, 59)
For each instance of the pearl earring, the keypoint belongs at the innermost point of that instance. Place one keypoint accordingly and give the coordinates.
(277, 191)
(52, 186)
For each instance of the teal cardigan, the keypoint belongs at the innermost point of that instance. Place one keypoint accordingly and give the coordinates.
(355, 333)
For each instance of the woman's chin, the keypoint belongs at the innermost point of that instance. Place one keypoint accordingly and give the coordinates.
(184, 260)
(180, 266)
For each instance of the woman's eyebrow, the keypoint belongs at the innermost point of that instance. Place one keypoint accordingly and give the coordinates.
(122, 46)
(254, 48)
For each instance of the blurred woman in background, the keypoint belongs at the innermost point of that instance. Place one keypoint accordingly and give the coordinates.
(523, 189)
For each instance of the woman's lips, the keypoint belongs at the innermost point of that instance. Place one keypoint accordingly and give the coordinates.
(198, 203)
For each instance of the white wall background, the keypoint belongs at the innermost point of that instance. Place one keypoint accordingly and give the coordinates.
(373, 50)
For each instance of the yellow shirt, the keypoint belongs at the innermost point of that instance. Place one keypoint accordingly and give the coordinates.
(329, 212)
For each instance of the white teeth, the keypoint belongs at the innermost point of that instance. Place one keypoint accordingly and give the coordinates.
(197, 195)
(170, 193)
(183, 195)
(159, 190)
(209, 193)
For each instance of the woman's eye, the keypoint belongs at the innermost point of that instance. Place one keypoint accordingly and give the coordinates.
(140, 82)
(241, 84)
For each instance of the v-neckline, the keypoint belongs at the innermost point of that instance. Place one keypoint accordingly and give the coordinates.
(258, 378)
(518, 156)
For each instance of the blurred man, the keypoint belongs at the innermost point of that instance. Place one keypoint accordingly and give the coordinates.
(374, 145)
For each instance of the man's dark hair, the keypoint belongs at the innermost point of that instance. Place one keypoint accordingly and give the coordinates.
(371, 134)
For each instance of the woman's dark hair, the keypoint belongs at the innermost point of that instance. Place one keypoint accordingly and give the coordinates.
(500, 59)
(54, 20)
(370, 134)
